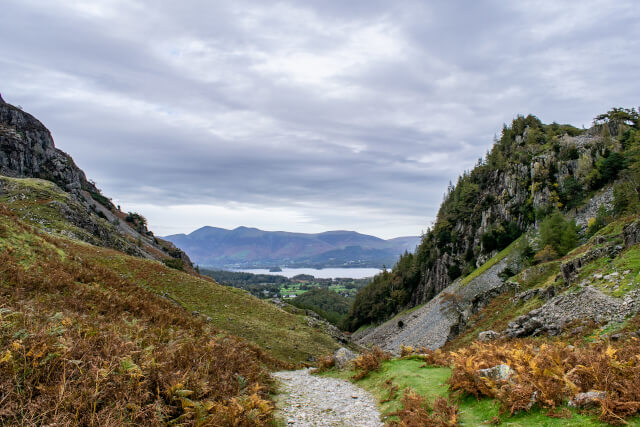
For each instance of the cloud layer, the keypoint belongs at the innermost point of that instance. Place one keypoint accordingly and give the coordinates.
(305, 116)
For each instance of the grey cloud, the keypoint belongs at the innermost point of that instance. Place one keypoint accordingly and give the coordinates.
(169, 103)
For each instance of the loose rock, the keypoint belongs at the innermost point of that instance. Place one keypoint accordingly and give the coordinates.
(497, 373)
(589, 399)
(488, 335)
(343, 356)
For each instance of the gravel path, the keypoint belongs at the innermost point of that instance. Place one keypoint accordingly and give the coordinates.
(318, 402)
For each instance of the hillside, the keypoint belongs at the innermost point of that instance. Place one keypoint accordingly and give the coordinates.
(83, 343)
(80, 211)
(250, 247)
(542, 327)
(105, 324)
(533, 171)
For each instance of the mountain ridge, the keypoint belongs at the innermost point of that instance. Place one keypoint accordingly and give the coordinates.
(252, 247)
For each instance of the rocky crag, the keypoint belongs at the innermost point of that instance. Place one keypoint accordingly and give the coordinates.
(27, 150)
(532, 171)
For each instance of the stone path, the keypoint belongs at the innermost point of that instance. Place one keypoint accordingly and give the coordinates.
(319, 402)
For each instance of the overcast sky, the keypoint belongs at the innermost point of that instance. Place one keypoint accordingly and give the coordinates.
(305, 115)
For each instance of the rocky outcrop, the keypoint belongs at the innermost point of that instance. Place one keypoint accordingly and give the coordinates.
(586, 304)
(590, 210)
(343, 357)
(27, 150)
(570, 269)
(509, 195)
(542, 293)
(631, 234)
(485, 336)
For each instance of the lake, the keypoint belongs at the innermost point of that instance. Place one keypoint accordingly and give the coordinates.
(325, 273)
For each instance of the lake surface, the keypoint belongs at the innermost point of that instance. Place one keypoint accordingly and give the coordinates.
(325, 273)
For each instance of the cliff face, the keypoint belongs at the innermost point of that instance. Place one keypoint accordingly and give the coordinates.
(532, 170)
(504, 203)
(27, 150)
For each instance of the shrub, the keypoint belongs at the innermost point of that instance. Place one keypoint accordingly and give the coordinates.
(610, 166)
(98, 197)
(551, 373)
(325, 363)
(571, 192)
(417, 412)
(174, 263)
(600, 221)
(393, 391)
(546, 254)
(625, 198)
(368, 362)
(429, 357)
(83, 345)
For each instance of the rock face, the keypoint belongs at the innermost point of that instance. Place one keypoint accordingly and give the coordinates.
(27, 150)
(570, 268)
(586, 304)
(631, 234)
(508, 194)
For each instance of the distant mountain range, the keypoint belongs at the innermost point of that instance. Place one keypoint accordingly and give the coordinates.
(246, 247)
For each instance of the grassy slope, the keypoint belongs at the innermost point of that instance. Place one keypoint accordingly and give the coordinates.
(283, 334)
(286, 336)
(38, 202)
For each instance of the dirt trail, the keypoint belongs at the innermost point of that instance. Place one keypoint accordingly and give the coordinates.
(315, 401)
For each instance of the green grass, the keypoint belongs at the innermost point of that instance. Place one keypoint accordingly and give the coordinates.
(493, 261)
(431, 383)
(628, 260)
